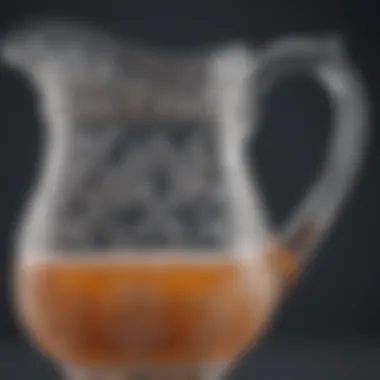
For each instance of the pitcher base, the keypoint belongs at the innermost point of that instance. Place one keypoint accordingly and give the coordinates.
(212, 371)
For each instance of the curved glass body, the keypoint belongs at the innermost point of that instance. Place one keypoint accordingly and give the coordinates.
(145, 247)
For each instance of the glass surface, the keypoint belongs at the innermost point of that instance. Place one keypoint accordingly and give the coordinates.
(145, 249)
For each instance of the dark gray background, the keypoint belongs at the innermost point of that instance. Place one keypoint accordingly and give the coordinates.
(336, 303)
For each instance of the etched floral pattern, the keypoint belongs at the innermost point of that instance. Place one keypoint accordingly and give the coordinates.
(143, 186)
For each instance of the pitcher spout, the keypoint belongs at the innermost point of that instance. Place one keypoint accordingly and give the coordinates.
(21, 48)
(64, 46)
(95, 64)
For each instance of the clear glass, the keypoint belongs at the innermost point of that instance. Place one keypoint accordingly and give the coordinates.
(145, 249)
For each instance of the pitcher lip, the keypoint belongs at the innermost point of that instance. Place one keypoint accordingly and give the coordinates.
(43, 26)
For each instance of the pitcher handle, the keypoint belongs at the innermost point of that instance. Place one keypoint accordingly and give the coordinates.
(314, 215)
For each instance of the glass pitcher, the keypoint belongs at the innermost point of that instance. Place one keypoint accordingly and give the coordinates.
(145, 248)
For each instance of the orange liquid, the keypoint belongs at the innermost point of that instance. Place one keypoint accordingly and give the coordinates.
(163, 311)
